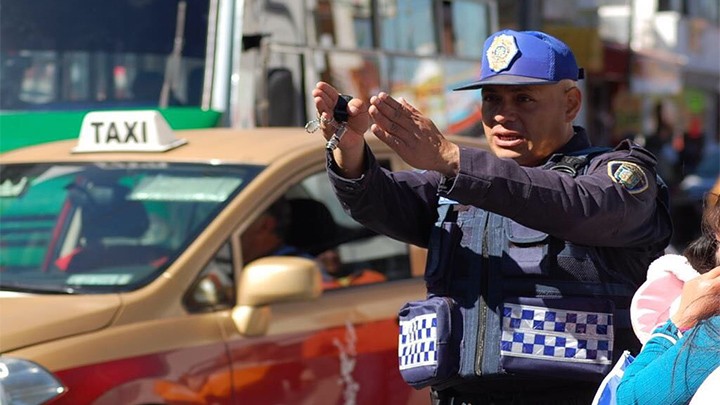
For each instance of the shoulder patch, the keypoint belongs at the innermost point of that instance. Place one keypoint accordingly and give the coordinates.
(629, 175)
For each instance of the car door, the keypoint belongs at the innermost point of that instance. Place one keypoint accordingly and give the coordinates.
(340, 348)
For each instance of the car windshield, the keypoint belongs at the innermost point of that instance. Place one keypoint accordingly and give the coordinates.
(93, 228)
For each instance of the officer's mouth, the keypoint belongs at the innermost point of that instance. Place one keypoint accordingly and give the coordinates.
(508, 141)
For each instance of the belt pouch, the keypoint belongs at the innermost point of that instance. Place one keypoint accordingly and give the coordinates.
(429, 340)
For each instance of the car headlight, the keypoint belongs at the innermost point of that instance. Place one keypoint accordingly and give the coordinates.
(24, 382)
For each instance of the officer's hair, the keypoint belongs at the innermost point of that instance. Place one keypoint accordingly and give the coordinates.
(568, 84)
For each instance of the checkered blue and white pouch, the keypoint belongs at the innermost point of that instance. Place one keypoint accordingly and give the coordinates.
(429, 341)
(560, 336)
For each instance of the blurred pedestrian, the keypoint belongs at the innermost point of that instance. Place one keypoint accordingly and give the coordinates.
(681, 352)
(661, 144)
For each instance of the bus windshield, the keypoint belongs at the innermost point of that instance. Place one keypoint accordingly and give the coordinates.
(88, 54)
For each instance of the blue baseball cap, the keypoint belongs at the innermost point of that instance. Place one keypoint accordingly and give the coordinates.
(525, 58)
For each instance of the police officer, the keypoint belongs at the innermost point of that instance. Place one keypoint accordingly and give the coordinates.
(538, 243)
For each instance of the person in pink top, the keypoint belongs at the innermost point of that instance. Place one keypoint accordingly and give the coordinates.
(676, 314)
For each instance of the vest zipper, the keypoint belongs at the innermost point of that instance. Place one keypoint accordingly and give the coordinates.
(482, 305)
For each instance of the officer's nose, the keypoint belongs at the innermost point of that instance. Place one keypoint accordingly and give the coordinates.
(505, 112)
(504, 117)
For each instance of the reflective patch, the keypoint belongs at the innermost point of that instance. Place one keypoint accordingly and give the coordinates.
(418, 342)
(557, 334)
(629, 175)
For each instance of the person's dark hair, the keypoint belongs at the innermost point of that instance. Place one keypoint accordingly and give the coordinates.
(280, 210)
(702, 255)
(702, 252)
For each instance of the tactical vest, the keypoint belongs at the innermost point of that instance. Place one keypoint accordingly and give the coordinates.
(507, 300)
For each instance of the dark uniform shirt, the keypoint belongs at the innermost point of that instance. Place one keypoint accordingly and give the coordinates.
(592, 209)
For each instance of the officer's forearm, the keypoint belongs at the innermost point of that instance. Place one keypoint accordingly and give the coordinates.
(350, 160)
(450, 159)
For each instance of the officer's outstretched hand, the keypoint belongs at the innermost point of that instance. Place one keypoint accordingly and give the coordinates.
(349, 154)
(413, 136)
(325, 97)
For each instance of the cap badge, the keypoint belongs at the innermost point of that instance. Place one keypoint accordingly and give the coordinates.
(501, 52)
(629, 175)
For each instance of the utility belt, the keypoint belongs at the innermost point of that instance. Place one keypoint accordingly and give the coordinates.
(505, 300)
(550, 394)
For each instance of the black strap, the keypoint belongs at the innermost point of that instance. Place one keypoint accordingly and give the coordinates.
(574, 163)
(340, 112)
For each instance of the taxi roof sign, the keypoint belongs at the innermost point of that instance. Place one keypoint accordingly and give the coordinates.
(126, 131)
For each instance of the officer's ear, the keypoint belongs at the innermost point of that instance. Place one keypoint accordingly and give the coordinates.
(573, 102)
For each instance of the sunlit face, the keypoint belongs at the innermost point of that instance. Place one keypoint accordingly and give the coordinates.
(529, 123)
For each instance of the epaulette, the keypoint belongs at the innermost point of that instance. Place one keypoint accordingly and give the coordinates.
(636, 151)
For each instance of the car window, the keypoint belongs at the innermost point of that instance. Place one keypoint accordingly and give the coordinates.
(316, 226)
(354, 254)
(215, 286)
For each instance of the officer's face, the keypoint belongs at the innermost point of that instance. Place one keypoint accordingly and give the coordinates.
(529, 123)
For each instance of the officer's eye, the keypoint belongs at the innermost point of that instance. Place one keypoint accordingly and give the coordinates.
(524, 98)
(490, 98)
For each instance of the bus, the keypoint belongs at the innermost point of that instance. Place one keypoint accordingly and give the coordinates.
(232, 63)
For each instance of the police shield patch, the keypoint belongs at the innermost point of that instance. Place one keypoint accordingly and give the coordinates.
(629, 175)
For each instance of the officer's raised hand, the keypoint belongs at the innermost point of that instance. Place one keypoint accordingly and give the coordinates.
(413, 136)
(350, 151)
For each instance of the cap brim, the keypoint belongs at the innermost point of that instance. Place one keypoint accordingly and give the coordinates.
(504, 80)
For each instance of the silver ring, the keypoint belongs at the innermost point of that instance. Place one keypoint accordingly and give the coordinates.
(325, 120)
(331, 124)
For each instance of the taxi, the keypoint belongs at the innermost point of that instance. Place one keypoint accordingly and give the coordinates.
(122, 279)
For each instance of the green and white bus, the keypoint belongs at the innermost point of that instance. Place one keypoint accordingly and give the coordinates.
(205, 63)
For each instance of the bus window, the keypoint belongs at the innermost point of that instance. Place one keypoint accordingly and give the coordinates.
(334, 18)
(354, 72)
(465, 15)
(85, 54)
(408, 25)
(420, 80)
(462, 34)
(395, 46)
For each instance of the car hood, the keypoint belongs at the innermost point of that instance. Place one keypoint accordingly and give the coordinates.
(28, 319)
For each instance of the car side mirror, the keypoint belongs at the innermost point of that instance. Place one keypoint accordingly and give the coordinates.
(272, 280)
